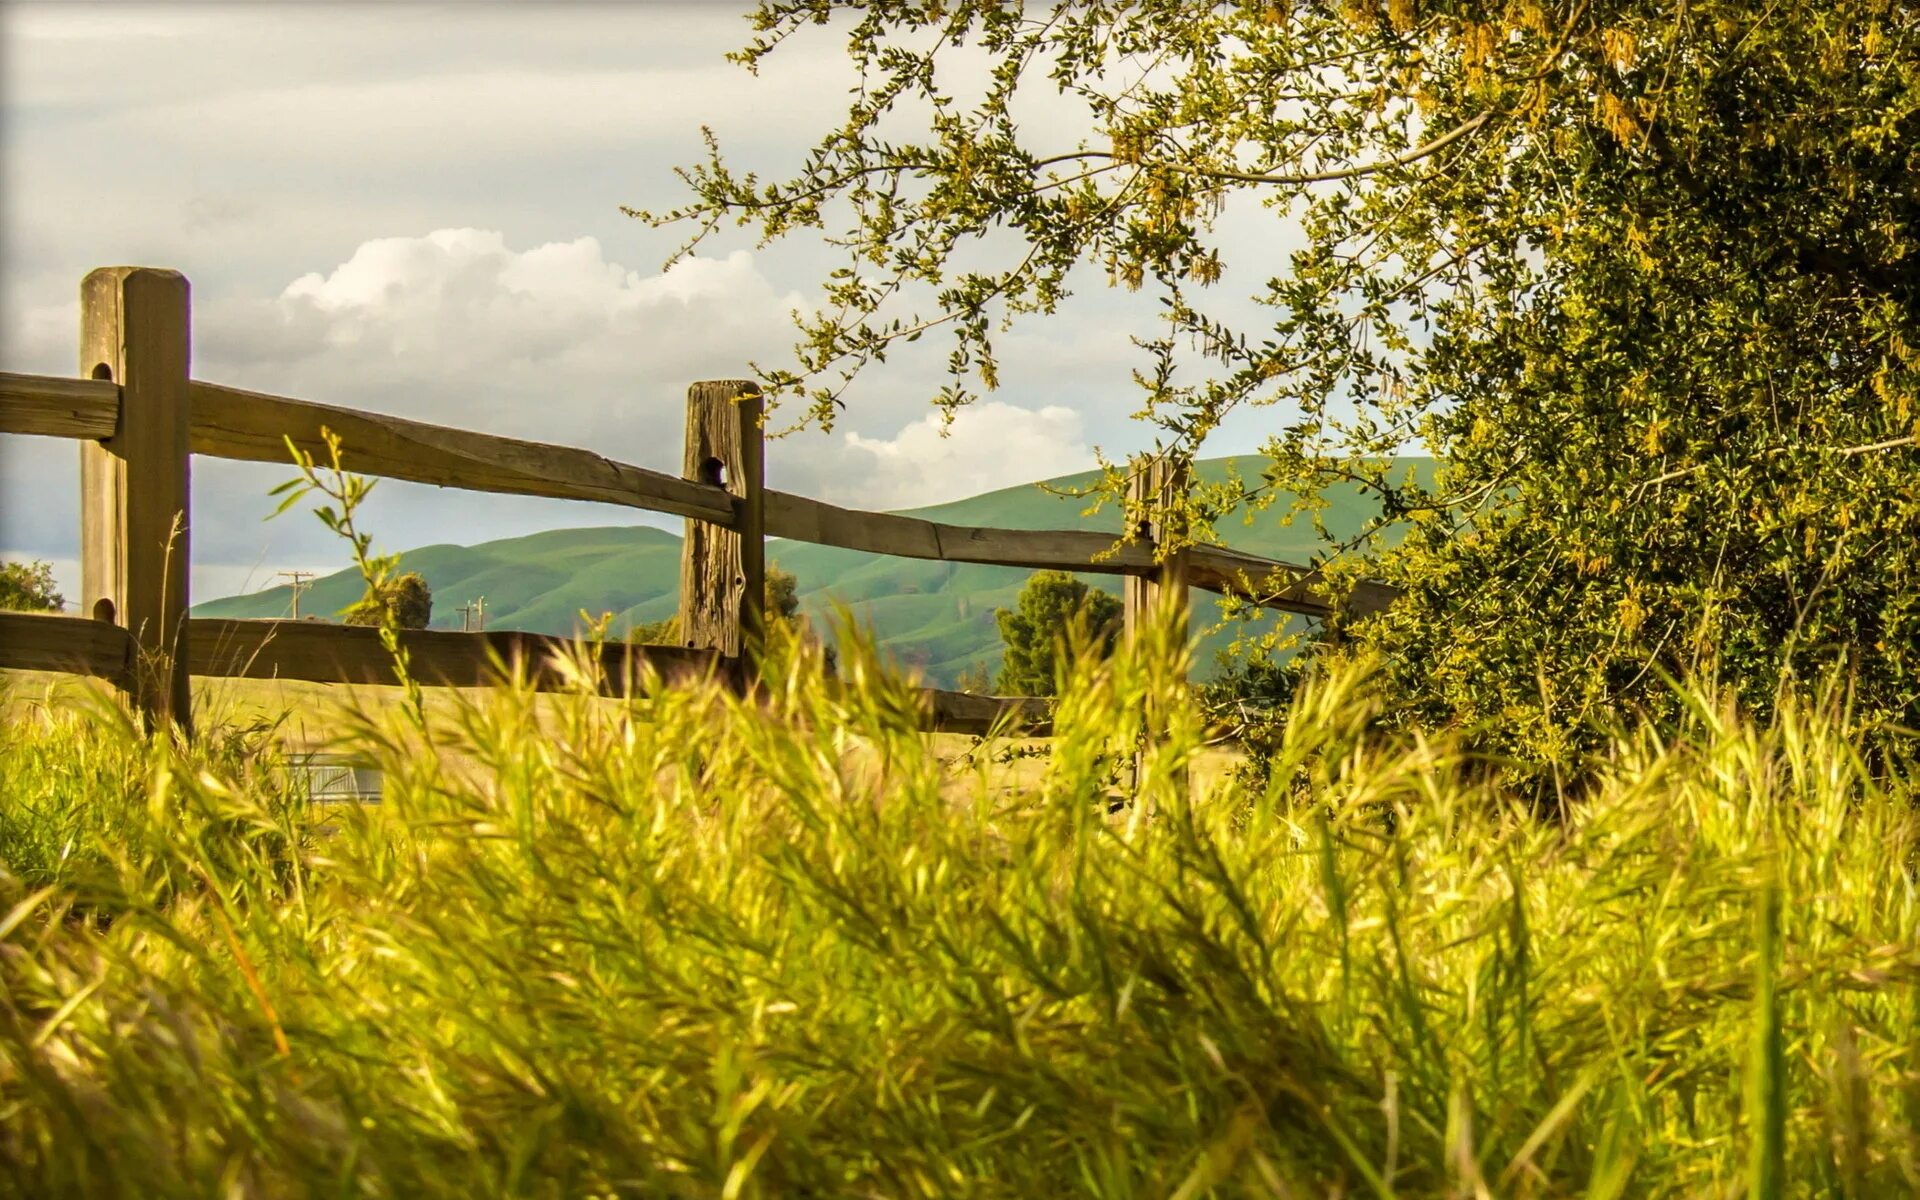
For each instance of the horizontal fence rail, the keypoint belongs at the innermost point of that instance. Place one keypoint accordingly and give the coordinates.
(74, 645)
(254, 427)
(67, 408)
(318, 652)
(326, 653)
(140, 416)
(228, 422)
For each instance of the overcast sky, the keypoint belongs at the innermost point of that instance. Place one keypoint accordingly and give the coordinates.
(416, 209)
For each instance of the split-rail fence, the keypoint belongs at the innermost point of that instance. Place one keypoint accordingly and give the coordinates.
(140, 417)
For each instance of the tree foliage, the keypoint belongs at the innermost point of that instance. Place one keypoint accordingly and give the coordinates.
(1642, 274)
(782, 594)
(1053, 610)
(406, 598)
(29, 587)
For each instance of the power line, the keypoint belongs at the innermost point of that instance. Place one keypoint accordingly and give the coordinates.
(302, 580)
(473, 615)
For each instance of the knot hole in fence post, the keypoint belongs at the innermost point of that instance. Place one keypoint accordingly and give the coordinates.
(134, 510)
(723, 567)
(1156, 500)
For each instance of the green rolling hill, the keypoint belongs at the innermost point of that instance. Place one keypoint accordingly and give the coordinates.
(934, 616)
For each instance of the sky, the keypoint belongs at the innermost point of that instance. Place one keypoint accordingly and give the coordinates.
(415, 209)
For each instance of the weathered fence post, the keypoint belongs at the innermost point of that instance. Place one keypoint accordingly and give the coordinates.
(1156, 491)
(134, 505)
(723, 571)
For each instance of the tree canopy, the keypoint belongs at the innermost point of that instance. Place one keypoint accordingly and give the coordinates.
(1640, 273)
(1052, 610)
(29, 587)
(405, 601)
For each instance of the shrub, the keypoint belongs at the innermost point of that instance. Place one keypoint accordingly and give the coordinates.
(405, 597)
(29, 587)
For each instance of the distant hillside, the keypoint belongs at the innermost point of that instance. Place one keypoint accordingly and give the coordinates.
(935, 616)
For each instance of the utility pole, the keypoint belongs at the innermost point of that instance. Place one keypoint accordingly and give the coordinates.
(301, 581)
(473, 615)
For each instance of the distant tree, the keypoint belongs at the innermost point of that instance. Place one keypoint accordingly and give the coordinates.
(664, 632)
(976, 679)
(405, 597)
(783, 593)
(28, 587)
(1039, 623)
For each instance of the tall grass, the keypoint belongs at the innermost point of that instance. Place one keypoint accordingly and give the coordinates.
(700, 945)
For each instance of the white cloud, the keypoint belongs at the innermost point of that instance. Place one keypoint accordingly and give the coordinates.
(989, 445)
(553, 342)
(260, 150)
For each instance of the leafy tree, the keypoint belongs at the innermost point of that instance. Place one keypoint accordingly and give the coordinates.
(1050, 610)
(664, 632)
(976, 679)
(29, 587)
(406, 598)
(1642, 273)
(782, 594)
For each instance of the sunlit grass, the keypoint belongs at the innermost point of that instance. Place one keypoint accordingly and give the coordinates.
(705, 945)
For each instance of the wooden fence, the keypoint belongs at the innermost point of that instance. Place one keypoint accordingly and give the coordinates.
(140, 416)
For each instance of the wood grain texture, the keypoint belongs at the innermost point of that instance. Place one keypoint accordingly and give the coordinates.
(1156, 498)
(75, 645)
(1155, 489)
(232, 423)
(324, 653)
(135, 526)
(805, 520)
(723, 569)
(1278, 585)
(52, 407)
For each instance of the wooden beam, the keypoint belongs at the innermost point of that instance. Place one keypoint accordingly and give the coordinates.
(1156, 504)
(323, 653)
(134, 512)
(250, 426)
(54, 407)
(75, 645)
(723, 569)
(805, 520)
(963, 712)
(231, 423)
(1256, 580)
(1278, 585)
(1154, 490)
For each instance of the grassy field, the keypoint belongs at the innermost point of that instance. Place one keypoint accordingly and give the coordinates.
(294, 716)
(680, 947)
